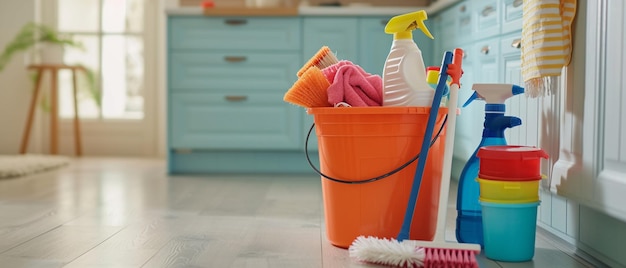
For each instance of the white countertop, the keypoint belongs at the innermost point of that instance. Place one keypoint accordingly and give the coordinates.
(336, 11)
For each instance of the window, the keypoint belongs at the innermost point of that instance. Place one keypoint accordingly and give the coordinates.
(112, 32)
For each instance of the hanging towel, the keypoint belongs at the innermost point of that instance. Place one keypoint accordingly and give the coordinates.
(546, 43)
(353, 86)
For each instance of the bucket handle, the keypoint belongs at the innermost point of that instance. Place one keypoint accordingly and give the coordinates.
(306, 153)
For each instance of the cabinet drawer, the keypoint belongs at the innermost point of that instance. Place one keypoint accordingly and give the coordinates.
(511, 44)
(234, 33)
(487, 61)
(464, 23)
(487, 16)
(339, 34)
(512, 15)
(233, 121)
(240, 70)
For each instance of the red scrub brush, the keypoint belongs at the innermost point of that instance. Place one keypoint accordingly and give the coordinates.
(436, 253)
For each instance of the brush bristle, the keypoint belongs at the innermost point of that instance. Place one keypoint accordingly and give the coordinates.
(408, 253)
(387, 252)
(310, 90)
(443, 257)
(322, 59)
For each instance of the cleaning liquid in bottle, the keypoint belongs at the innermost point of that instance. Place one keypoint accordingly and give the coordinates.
(404, 74)
(469, 227)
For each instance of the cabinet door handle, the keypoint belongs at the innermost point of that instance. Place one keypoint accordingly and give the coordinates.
(384, 22)
(517, 3)
(235, 58)
(235, 98)
(487, 11)
(485, 50)
(517, 43)
(462, 8)
(236, 22)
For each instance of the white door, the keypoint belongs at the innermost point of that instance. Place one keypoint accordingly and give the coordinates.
(607, 119)
(118, 116)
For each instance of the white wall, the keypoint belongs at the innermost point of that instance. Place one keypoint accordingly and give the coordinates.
(15, 85)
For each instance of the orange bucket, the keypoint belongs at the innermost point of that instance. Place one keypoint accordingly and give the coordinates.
(360, 143)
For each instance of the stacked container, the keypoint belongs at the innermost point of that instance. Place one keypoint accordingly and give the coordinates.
(509, 179)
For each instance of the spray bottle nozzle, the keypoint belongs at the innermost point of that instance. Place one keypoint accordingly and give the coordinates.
(401, 26)
(494, 93)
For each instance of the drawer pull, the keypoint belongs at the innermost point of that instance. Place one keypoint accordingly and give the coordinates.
(517, 43)
(485, 50)
(236, 22)
(517, 3)
(462, 8)
(183, 151)
(236, 98)
(235, 58)
(487, 11)
(384, 22)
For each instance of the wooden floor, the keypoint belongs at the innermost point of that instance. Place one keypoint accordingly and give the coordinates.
(129, 213)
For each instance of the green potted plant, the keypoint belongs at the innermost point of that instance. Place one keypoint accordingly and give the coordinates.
(33, 35)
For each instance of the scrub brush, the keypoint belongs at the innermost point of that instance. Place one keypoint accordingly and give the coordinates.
(322, 59)
(436, 253)
(310, 90)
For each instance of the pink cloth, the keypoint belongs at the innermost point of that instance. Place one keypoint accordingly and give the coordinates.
(330, 71)
(352, 85)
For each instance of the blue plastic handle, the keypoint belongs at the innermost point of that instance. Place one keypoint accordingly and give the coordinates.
(421, 162)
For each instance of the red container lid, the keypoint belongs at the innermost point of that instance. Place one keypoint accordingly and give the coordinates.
(512, 152)
(510, 162)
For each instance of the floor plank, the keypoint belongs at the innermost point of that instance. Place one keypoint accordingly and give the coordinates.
(118, 212)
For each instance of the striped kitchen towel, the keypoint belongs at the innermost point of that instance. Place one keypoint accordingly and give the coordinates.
(546, 43)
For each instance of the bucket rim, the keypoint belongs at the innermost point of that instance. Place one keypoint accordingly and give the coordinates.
(374, 110)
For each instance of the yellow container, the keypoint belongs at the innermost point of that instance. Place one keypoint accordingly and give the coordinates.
(510, 192)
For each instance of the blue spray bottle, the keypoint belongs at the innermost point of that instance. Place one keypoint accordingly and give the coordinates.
(469, 227)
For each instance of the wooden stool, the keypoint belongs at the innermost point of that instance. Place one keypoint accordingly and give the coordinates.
(54, 111)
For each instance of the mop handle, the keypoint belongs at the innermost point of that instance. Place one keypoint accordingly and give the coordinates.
(421, 162)
(455, 71)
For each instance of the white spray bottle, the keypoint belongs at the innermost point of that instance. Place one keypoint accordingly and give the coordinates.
(404, 74)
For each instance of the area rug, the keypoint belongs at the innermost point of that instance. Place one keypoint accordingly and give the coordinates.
(12, 166)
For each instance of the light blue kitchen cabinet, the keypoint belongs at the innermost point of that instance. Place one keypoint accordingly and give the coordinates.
(527, 109)
(593, 171)
(374, 43)
(462, 29)
(511, 15)
(486, 18)
(443, 31)
(237, 71)
(234, 33)
(338, 33)
(226, 80)
(222, 120)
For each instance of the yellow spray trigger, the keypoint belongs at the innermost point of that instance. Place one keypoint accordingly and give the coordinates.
(401, 26)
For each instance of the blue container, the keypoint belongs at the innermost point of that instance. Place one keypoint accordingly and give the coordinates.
(509, 231)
